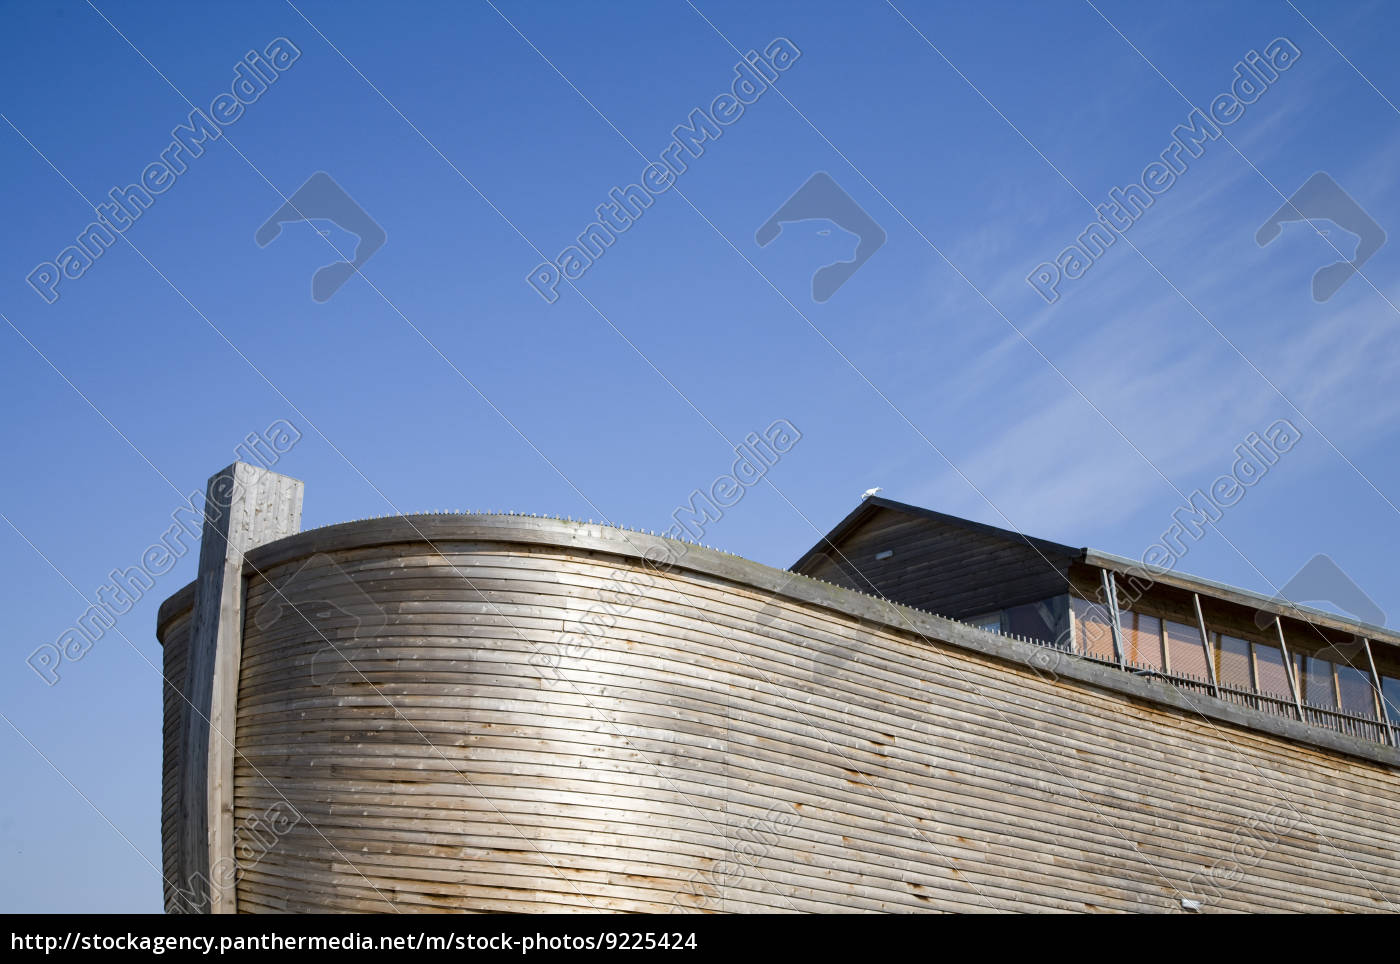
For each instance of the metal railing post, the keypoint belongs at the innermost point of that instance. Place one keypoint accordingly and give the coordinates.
(1205, 645)
(1383, 712)
(1288, 669)
(1110, 591)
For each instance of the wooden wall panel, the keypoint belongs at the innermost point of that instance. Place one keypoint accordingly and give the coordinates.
(940, 567)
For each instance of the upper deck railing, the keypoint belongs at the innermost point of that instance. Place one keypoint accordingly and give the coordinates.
(1356, 725)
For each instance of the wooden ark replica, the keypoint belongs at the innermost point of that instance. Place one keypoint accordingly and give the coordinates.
(511, 713)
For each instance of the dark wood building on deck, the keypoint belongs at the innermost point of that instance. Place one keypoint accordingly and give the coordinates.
(1264, 653)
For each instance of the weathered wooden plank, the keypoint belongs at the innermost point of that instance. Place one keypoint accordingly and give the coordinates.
(244, 507)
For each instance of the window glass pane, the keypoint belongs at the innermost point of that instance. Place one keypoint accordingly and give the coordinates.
(1358, 696)
(1187, 658)
(1273, 675)
(1232, 661)
(990, 623)
(1314, 681)
(1390, 689)
(1092, 634)
(1040, 620)
(1142, 639)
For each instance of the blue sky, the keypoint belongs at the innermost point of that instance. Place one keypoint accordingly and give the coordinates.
(441, 380)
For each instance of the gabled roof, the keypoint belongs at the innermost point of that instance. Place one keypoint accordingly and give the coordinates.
(869, 507)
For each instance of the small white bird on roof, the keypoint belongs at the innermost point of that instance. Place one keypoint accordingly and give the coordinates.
(869, 492)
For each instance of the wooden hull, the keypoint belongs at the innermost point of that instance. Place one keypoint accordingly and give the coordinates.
(501, 713)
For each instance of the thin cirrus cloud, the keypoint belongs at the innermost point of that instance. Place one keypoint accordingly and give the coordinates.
(1153, 366)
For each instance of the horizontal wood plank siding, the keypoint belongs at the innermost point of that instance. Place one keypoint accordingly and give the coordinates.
(453, 737)
(940, 567)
